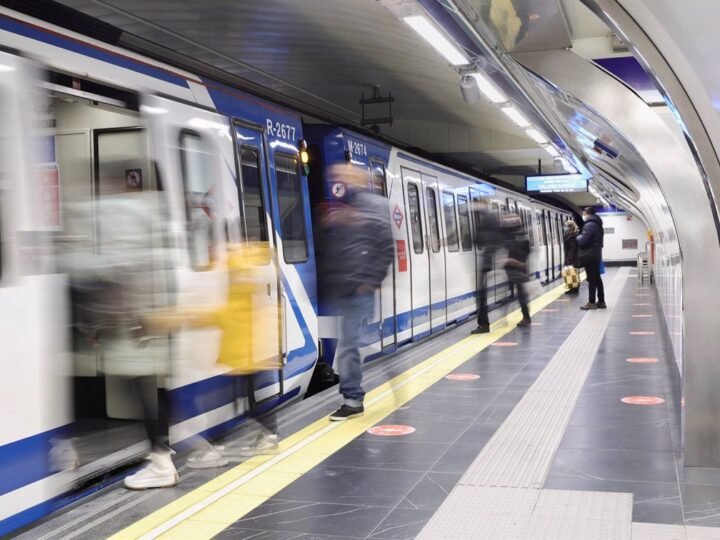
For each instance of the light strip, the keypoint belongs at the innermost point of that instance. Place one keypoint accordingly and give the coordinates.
(489, 89)
(536, 136)
(516, 116)
(550, 149)
(435, 38)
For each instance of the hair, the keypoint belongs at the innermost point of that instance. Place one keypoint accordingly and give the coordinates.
(571, 223)
(589, 210)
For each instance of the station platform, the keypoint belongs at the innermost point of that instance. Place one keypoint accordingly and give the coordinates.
(568, 429)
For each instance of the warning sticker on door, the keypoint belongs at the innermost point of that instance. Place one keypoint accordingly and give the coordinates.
(397, 216)
(402, 256)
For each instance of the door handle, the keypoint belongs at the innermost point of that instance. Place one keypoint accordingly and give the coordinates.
(269, 290)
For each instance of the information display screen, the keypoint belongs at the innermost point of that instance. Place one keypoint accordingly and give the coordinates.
(556, 183)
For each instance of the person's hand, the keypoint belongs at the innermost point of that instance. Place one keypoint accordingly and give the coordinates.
(364, 288)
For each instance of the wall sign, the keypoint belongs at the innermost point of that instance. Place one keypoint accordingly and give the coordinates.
(133, 179)
(402, 256)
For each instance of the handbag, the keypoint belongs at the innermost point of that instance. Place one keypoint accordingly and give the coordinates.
(571, 277)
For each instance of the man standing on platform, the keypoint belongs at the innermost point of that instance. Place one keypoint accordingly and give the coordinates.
(355, 251)
(487, 232)
(590, 241)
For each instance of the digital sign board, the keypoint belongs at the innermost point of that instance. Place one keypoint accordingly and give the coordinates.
(556, 183)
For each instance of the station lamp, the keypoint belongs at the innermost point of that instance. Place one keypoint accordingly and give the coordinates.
(434, 37)
(516, 116)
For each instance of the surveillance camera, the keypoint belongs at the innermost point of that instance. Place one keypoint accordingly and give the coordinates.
(469, 89)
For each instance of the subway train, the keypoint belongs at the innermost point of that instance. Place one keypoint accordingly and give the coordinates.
(79, 114)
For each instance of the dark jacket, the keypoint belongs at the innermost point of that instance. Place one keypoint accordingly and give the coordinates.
(355, 246)
(487, 235)
(571, 248)
(590, 240)
(518, 250)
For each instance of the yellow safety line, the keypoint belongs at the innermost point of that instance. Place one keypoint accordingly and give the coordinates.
(214, 506)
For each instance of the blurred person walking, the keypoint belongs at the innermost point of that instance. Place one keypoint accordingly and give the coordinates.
(487, 232)
(354, 253)
(113, 288)
(516, 265)
(590, 241)
(570, 266)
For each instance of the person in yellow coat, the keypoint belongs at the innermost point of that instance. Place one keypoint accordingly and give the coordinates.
(243, 347)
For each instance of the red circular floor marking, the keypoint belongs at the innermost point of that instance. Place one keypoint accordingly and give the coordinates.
(391, 430)
(463, 377)
(642, 360)
(642, 333)
(642, 400)
(642, 316)
(504, 344)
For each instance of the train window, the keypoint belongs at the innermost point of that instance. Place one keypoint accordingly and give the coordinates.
(433, 220)
(378, 178)
(197, 181)
(251, 178)
(291, 208)
(415, 224)
(465, 229)
(530, 226)
(543, 235)
(450, 221)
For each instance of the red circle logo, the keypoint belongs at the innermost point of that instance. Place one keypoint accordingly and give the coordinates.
(463, 377)
(642, 333)
(642, 360)
(642, 400)
(391, 430)
(504, 344)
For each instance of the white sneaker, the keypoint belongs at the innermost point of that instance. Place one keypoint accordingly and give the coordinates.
(159, 473)
(207, 459)
(263, 445)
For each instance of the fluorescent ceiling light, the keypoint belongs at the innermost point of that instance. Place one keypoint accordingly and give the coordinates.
(550, 149)
(569, 167)
(435, 38)
(6, 69)
(536, 136)
(489, 89)
(516, 116)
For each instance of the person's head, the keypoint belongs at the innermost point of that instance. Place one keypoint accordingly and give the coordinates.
(351, 175)
(587, 212)
(571, 225)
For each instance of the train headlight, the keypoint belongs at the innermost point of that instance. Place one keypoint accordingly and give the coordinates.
(304, 156)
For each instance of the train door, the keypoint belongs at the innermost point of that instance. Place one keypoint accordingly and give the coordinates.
(34, 385)
(386, 301)
(552, 243)
(419, 260)
(436, 254)
(257, 228)
(561, 247)
(186, 144)
(545, 255)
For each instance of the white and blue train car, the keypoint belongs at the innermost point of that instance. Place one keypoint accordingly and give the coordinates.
(432, 281)
(227, 167)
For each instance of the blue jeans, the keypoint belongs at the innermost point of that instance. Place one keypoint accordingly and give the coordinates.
(356, 311)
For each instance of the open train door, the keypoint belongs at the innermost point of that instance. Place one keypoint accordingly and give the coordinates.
(34, 390)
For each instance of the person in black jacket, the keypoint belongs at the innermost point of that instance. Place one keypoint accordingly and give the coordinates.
(487, 231)
(516, 265)
(590, 242)
(571, 251)
(354, 253)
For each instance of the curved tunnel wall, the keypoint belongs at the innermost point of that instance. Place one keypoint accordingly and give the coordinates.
(674, 200)
(677, 42)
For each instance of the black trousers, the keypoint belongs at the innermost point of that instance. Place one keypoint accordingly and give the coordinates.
(482, 312)
(595, 284)
(155, 411)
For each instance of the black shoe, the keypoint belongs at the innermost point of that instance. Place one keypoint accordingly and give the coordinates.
(570, 291)
(602, 305)
(575, 291)
(483, 329)
(524, 323)
(345, 412)
(589, 307)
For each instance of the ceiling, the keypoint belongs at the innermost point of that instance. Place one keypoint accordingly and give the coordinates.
(328, 52)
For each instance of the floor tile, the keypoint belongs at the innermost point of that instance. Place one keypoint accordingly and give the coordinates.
(458, 458)
(314, 518)
(647, 436)
(402, 524)
(701, 504)
(430, 492)
(383, 454)
(345, 485)
(627, 465)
